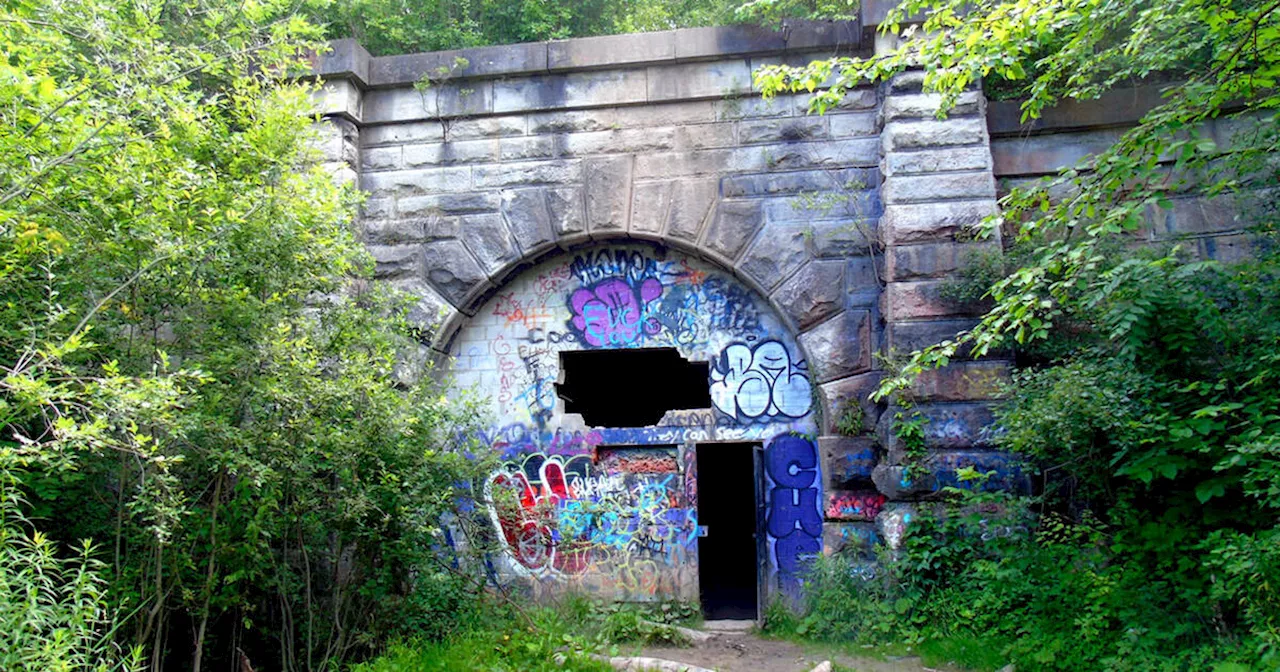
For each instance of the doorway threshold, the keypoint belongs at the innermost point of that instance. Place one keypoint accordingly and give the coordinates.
(729, 626)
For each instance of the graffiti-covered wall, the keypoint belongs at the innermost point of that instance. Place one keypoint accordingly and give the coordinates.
(614, 510)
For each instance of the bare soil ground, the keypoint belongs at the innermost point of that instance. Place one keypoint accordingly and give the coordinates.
(750, 653)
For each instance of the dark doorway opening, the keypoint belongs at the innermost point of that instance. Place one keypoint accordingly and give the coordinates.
(631, 388)
(728, 553)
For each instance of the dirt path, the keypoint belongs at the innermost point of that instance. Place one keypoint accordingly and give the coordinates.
(749, 653)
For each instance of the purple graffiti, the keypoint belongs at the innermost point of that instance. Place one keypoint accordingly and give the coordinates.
(612, 312)
(795, 517)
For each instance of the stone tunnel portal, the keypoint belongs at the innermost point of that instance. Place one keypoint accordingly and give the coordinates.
(608, 504)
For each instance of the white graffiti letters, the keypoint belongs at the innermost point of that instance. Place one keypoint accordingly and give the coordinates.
(760, 382)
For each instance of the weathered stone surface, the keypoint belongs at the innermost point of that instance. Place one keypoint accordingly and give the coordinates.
(911, 81)
(378, 208)
(700, 162)
(864, 98)
(934, 260)
(1044, 155)
(396, 261)
(776, 253)
(444, 153)
(752, 107)
(920, 299)
(854, 125)
(934, 160)
(393, 231)
(835, 153)
(845, 205)
(932, 221)
(705, 136)
(938, 187)
(565, 206)
(863, 281)
(698, 80)
(594, 52)
(608, 193)
(397, 105)
(691, 202)
(618, 141)
(848, 460)
(842, 238)
(572, 121)
(665, 114)
(910, 336)
(900, 135)
(451, 270)
(529, 218)
(395, 134)
(839, 394)
(705, 42)
(1010, 473)
(925, 105)
(489, 240)
(732, 226)
(574, 89)
(839, 347)
(462, 99)
(485, 127)
(382, 158)
(1193, 216)
(345, 59)
(963, 381)
(337, 140)
(519, 148)
(785, 129)
(414, 182)
(428, 309)
(507, 59)
(528, 173)
(813, 293)
(1118, 107)
(948, 426)
(895, 483)
(854, 540)
(826, 187)
(649, 204)
(849, 505)
(465, 203)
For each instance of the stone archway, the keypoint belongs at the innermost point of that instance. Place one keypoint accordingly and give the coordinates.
(613, 510)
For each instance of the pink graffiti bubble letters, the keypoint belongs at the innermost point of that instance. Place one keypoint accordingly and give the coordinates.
(612, 312)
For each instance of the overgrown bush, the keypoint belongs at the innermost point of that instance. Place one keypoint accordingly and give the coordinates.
(197, 374)
(54, 612)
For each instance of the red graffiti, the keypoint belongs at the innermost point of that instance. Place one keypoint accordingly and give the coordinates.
(854, 505)
(527, 517)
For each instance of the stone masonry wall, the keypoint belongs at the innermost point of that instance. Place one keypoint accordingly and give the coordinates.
(1073, 131)
(843, 226)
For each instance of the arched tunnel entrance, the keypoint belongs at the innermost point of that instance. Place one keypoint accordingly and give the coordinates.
(655, 418)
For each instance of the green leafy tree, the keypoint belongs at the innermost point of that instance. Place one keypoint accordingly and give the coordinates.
(196, 375)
